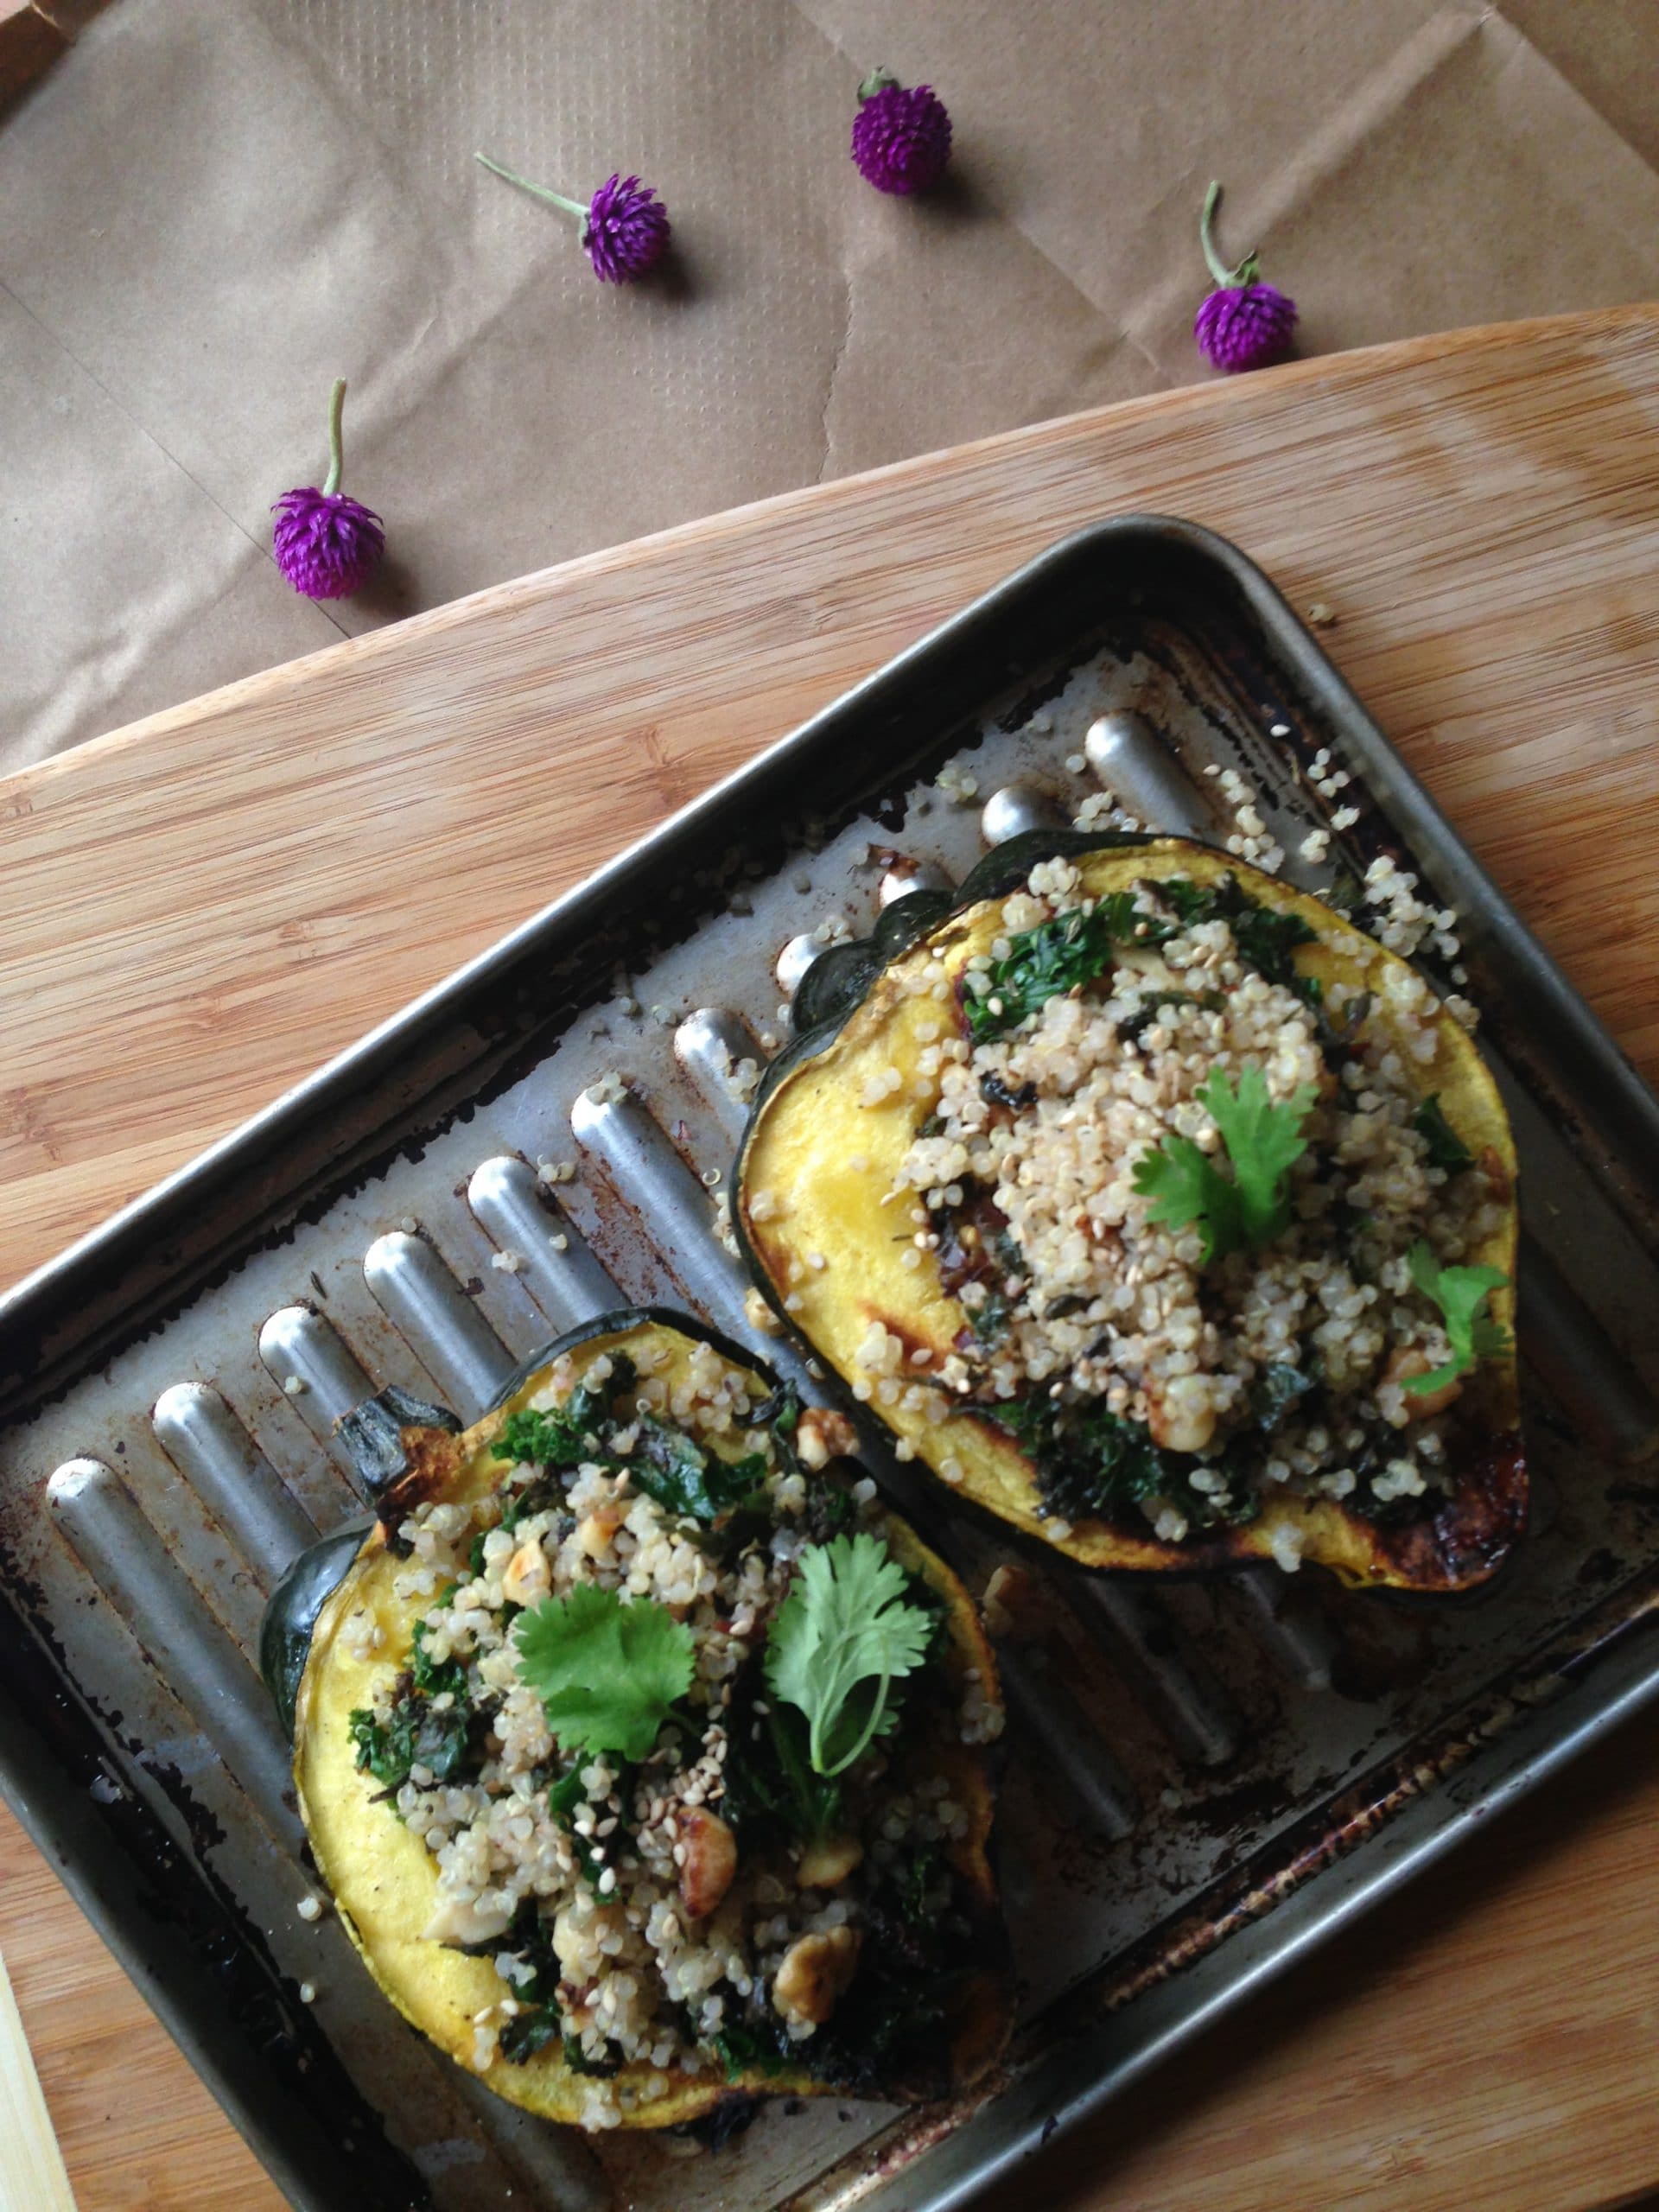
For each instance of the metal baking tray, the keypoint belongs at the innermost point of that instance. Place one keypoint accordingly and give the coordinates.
(1238, 1764)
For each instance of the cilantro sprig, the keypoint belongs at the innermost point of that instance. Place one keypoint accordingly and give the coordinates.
(1263, 1141)
(839, 1641)
(1461, 1293)
(608, 1673)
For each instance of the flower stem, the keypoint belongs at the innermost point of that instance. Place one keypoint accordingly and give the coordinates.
(540, 191)
(881, 79)
(336, 409)
(1246, 271)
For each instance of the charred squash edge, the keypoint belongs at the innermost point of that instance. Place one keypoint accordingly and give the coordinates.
(407, 1451)
(1460, 1545)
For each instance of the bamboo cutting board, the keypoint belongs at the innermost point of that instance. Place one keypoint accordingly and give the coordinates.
(198, 910)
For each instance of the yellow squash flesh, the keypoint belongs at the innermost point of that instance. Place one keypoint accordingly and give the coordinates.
(384, 1883)
(818, 1164)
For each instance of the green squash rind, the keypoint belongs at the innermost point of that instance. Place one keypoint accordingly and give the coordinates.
(292, 1611)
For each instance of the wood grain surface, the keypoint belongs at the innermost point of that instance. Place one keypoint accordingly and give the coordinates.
(198, 910)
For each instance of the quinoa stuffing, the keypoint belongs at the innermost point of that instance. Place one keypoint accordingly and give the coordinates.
(1207, 1226)
(687, 1733)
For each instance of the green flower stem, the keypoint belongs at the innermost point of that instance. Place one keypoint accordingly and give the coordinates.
(336, 409)
(1228, 279)
(540, 191)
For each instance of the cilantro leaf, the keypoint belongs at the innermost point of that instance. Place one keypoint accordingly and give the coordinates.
(1189, 1187)
(838, 1642)
(1262, 1141)
(1460, 1294)
(606, 1672)
(1445, 1148)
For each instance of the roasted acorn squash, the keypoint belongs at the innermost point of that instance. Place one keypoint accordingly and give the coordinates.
(835, 1124)
(340, 1642)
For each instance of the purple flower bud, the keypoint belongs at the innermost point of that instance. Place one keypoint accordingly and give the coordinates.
(327, 545)
(626, 230)
(902, 140)
(1243, 323)
(625, 227)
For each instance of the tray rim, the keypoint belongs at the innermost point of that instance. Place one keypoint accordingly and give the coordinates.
(1524, 1756)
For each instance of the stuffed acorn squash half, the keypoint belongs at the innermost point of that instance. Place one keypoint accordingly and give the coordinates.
(643, 1753)
(1161, 1212)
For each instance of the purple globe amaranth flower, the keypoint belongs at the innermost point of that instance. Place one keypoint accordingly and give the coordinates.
(1243, 323)
(326, 544)
(901, 139)
(626, 230)
(625, 227)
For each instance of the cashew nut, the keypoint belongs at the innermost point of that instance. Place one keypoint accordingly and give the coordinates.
(458, 1920)
(821, 1437)
(825, 1864)
(814, 1974)
(1402, 1407)
(527, 1580)
(1180, 1413)
(711, 1860)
